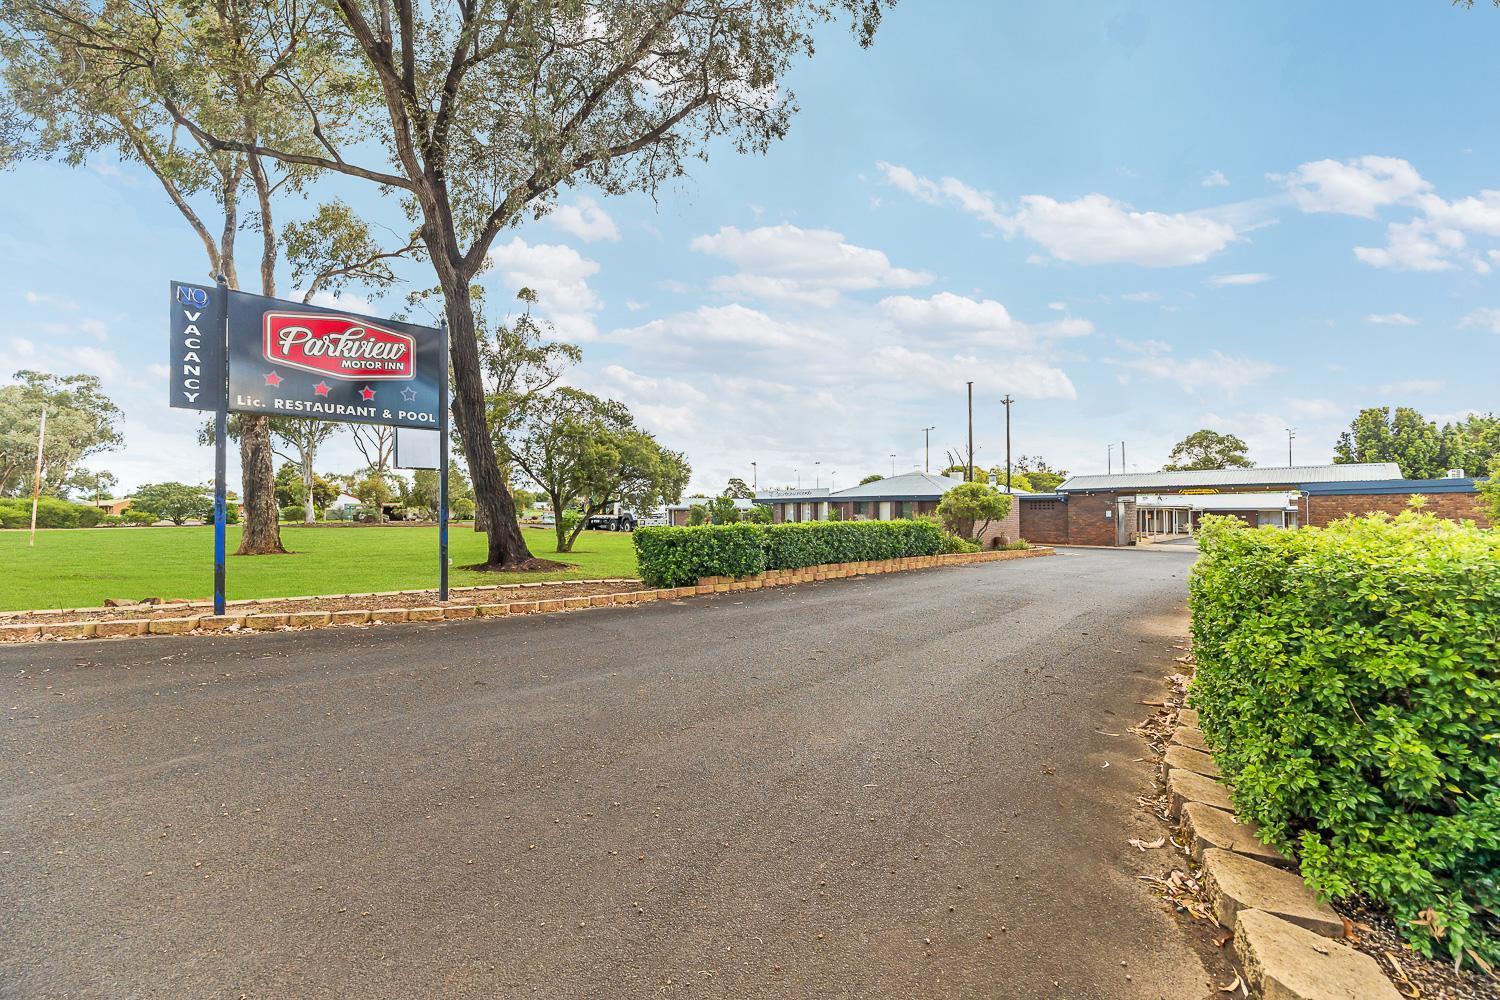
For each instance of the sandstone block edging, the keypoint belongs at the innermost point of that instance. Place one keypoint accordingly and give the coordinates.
(249, 620)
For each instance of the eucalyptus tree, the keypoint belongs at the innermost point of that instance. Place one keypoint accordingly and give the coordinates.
(484, 108)
(84, 77)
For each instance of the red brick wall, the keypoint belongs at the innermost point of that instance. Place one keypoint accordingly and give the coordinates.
(1087, 524)
(1043, 521)
(1007, 529)
(1321, 509)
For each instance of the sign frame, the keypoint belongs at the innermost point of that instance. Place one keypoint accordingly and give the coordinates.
(201, 378)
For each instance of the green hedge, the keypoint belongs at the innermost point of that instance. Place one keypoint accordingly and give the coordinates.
(1351, 678)
(51, 513)
(677, 557)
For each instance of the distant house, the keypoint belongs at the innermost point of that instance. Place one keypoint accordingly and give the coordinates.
(113, 507)
(912, 494)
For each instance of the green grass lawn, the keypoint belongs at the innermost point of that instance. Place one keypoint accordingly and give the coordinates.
(77, 568)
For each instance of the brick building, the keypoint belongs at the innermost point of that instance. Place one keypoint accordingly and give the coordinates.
(913, 494)
(1136, 508)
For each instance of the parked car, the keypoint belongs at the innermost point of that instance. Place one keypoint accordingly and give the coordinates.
(615, 518)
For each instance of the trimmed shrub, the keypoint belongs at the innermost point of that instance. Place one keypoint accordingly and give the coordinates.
(51, 512)
(137, 517)
(1350, 677)
(677, 557)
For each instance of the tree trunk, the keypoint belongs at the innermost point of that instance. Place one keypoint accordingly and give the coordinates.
(308, 517)
(260, 534)
(507, 547)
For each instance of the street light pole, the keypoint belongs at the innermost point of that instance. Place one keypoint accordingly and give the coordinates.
(1007, 401)
(1291, 432)
(1109, 459)
(817, 475)
(754, 476)
(893, 465)
(969, 472)
(927, 448)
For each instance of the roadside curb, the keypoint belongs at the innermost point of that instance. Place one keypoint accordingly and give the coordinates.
(1286, 941)
(245, 619)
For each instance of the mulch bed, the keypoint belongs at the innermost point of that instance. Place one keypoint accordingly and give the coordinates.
(334, 602)
(1376, 934)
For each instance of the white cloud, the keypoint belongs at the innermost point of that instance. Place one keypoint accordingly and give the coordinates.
(1485, 319)
(786, 263)
(586, 219)
(1096, 229)
(1093, 229)
(708, 329)
(946, 317)
(1141, 297)
(1028, 378)
(21, 347)
(1416, 246)
(347, 301)
(52, 301)
(88, 360)
(1214, 179)
(1221, 280)
(977, 203)
(159, 370)
(1360, 186)
(1390, 319)
(560, 277)
(1412, 386)
(1216, 373)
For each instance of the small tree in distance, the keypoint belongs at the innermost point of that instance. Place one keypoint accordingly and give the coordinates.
(1208, 449)
(175, 502)
(967, 509)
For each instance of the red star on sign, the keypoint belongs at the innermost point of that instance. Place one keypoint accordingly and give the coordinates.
(367, 394)
(272, 379)
(321, 388)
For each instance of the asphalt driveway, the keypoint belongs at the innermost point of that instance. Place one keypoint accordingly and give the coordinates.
(917, 785)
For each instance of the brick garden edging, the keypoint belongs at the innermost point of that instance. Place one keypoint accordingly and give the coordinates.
(247, 620)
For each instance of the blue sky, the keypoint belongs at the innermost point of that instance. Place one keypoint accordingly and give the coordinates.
(1138, 219)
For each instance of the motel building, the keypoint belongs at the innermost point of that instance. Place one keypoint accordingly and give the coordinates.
(1143, 508)
(912, 494)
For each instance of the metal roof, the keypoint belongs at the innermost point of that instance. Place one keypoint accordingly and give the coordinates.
(1275, 475)
(1455, 485)
(907, 486)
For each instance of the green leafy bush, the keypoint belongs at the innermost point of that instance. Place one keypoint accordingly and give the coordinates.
(1350, 677)
(51, 512)
(139, 517)
(677, 557)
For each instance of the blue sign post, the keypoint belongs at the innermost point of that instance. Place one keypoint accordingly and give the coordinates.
(221, 445)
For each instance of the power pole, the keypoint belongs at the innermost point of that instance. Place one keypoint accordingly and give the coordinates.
(1007, 401)
(893, 465)
(1291, 432)
(754, 477)
(36, 477)
(927, 448)
(969, 472)
(1123, 466)
(1109, 460)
